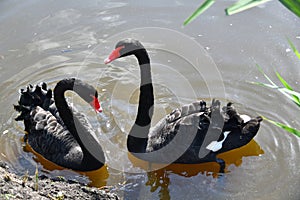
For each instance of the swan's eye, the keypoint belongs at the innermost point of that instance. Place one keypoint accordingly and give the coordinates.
(96, 104)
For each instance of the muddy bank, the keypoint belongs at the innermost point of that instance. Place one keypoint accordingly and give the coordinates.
(42, 187)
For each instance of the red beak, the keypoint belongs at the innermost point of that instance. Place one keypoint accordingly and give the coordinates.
(96, 104)
(114, 55)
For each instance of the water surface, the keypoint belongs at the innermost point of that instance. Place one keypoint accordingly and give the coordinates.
(48, 41)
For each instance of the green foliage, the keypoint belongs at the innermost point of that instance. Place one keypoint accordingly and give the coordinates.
(292, 5)
(36, 184)
(7, 196)
(286, 90)
(283, 126)
(294, 49)
(203, 7)
(241, 5)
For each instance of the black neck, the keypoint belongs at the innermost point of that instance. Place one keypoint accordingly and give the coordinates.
(79, 131)
(138, 136)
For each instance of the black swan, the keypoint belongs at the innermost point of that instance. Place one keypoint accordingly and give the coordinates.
(194, 133)
(58, 132)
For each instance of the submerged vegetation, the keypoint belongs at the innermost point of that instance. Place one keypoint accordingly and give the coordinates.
(241, 5)
(286, 89)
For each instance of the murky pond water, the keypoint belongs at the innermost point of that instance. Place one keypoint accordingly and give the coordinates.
(48, 41)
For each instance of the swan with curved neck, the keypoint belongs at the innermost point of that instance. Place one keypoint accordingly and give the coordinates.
(194, 133)
(57, 131)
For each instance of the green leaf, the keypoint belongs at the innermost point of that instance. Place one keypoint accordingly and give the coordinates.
(36, 183)
(291, 92)
(284, 91)
(292, 5)
(283, 126)
(290, 95)
(243, 5)
(294, 49)
(287, 91)
(265, 85)
(288, 87)
(200, 10)
(265, 75)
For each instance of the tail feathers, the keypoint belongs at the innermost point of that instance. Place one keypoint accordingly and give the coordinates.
(252, 126)
(234, 119)
(24, 112)
(259, 118)
(32, 96)
(232, 115)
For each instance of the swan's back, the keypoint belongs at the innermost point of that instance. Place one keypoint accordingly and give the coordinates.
(187, 117)
(196, 130)
(46, 132)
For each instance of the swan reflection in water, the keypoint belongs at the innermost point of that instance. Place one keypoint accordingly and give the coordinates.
(159, 179)
(98, 178)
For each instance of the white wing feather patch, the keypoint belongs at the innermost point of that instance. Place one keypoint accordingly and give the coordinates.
(215, 145)
(245, 118)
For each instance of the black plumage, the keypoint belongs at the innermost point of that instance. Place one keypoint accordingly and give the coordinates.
(194, 133)
(55, 130)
